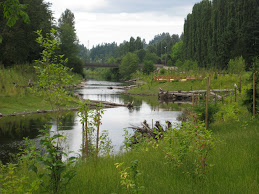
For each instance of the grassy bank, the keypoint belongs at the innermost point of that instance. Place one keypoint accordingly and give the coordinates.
(15, 96)
(235, 167)
(233, 164)
(146, 85)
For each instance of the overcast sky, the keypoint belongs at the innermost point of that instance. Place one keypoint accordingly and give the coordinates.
(106, 21)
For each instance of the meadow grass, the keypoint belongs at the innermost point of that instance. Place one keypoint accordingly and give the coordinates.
(235, 158)
(221, 82)
(15, 96)
(235, 169)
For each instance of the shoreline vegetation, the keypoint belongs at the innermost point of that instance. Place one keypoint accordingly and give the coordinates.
(232, 165)
(213, 150)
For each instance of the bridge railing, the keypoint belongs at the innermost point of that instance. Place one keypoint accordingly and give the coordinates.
(98, 65)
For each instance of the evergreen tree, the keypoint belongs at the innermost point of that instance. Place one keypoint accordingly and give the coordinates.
(67, 35)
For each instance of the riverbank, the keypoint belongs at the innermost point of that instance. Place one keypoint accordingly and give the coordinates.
(15, 93)
(147, 86)
(232, 165)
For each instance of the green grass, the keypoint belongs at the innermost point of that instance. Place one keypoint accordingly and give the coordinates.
(22, 103)
(236, 167)
(15, 97)
(222, 82)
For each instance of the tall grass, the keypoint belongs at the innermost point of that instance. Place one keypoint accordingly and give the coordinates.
(235, 167)
(220, 82)
(13, 80)
(15, 96)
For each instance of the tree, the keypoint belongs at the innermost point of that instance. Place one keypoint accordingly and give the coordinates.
(129, 65)
(12, 10)
(176, 53)
(19, 44)
(151, 57)
(68, 38)
(141, 54)
(219, 30)
(148, 67)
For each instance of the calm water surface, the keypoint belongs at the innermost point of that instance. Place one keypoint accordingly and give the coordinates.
(114, 120)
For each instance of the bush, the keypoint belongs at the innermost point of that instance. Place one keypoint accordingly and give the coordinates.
(236, 65)
(148, 67)
(162, 71)
(228, 112)
(201, 111)
(190, 65)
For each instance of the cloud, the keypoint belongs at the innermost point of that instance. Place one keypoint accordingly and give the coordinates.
(77, 5)
(170, 7)
(107, 28)
(105, 21)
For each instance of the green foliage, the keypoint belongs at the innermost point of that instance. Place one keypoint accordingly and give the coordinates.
(217, 31)
(236, 65)
(177, 50)
(231, 111)
(248, 101)
(52, 74)
(190, 65)
(141, 55)
(148, 67)
(13, 10)
(69, 42)
(76, 65)
(129, 177)
(200, 109)
(188, 147)
(19, 46)
(179, 63)
(57, 171)
(10, 182)
(129, 65)
(162, 71)
(91, 121)
(151, 57)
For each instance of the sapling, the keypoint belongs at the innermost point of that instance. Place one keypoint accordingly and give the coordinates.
(129, 177)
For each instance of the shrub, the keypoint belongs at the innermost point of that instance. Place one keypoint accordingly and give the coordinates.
(148, 67)
(188, 147)
(236, 65)
(201, 111)
(162, 71)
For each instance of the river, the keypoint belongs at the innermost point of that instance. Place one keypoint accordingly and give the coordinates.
(114, 120)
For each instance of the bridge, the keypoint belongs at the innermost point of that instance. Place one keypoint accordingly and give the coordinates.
(116, 65)
(101, 65)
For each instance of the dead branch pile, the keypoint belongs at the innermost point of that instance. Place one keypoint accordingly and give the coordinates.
(146, 131)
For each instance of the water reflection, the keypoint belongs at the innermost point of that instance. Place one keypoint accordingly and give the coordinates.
(114, 120)
(14, 129)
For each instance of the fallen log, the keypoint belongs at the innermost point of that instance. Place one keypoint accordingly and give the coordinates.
(146, 131)
(216, 95)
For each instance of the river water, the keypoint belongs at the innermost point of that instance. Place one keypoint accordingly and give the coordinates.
(114, 120)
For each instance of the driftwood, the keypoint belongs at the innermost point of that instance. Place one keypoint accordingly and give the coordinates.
(188, 95)
(146, 131)
(216, 95)
(130, 104)
(121, 88)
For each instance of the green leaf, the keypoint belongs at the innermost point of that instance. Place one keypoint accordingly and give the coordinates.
(33, 168)
(25, 17)
(1, 38)
(11, 21)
